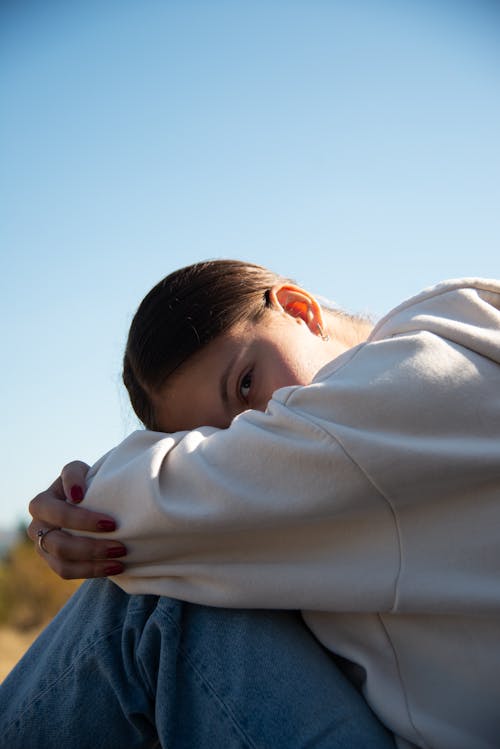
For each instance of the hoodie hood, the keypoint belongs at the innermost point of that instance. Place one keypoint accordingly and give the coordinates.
(464, 311)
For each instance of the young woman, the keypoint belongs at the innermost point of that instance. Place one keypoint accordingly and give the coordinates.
(360, 483)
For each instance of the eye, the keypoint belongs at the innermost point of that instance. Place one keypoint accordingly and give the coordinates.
(245, 385)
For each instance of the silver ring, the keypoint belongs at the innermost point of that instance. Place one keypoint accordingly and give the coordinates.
(41, 535)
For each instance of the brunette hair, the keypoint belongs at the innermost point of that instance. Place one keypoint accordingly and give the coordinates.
(184, 312)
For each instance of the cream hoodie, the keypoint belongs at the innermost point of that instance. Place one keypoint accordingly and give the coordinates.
(369, 499)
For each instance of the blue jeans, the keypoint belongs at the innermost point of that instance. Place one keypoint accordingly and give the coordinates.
(114, 671)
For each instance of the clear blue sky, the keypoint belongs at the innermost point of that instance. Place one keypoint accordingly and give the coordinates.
(354, 145)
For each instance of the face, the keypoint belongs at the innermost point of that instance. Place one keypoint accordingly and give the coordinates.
(241, 369)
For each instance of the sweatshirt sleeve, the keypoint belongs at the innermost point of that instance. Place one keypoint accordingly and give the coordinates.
(271, 512)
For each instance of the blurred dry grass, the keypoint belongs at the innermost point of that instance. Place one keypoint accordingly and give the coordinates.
(30, 596)
(13, 644)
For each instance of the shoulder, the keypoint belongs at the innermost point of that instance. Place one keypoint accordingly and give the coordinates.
(444, 308)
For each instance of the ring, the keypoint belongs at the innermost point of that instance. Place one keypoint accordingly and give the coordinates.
(41, 535)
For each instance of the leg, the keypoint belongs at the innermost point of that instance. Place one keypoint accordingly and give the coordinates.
(116, 671)
(79, 685)
(240, 679)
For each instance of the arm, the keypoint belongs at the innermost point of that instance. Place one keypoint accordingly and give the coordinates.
(270, 512)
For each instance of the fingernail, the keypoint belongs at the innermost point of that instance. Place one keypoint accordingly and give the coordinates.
(76, 493)
(115, 551)
(106, 525)
(113, 569)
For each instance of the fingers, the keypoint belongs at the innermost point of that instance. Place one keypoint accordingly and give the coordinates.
(69, 556)
(73, 477)
(49, 511)
(74, 557)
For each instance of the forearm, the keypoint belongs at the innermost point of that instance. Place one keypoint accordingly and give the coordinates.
(233, 519)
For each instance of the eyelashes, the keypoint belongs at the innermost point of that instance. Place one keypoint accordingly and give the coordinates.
(245, 385)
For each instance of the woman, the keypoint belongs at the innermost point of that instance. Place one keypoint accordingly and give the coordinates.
(358, 495)
(122, 671)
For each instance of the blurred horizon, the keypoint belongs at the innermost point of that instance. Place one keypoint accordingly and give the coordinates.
(351, 145)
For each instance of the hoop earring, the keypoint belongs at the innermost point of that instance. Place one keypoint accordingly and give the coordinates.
(322, 334)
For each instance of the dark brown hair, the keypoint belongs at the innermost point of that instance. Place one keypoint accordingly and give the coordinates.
(184, 312)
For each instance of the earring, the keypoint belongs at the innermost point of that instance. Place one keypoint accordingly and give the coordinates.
(322, 334)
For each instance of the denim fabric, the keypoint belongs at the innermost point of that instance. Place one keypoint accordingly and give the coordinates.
(114, 671)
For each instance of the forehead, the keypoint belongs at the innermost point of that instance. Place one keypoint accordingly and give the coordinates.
(193, 394)
(240, 336)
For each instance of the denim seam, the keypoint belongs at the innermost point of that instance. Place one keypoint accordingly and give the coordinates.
(225, 709)
(67, 670)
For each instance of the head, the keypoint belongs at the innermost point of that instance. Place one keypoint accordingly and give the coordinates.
(218, 337)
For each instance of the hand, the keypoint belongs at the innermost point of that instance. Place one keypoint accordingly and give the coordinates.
(72, 556)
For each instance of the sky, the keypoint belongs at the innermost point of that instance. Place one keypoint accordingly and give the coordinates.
(353, 145)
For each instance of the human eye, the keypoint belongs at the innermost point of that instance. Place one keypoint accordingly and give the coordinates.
(245, 385)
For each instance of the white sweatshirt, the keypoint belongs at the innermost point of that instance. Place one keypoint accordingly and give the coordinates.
(369, 499)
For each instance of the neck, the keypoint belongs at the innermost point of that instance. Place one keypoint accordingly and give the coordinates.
(349, 329)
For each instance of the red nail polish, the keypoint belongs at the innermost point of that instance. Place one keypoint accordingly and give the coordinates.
(106, 525)
(76, 493)
(115, 551)
(113, 569)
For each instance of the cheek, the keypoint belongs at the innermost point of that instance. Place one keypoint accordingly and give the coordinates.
(289, 371)
(282, 366)
(298, 367)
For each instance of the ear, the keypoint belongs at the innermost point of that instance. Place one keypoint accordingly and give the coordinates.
(300, 304)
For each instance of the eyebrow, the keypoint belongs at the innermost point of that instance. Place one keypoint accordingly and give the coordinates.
(224, 380)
